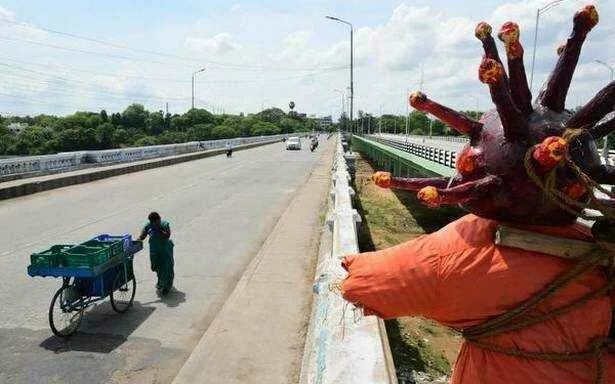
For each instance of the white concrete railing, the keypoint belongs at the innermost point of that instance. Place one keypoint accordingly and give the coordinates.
(70, 160)
(435, 154)
(340, 349)
(458, 139)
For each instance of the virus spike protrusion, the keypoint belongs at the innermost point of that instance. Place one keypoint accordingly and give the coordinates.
(459, 194)
(483, 33)
(467, 161)
(461, 123)
(385, 180)
(551, 152)
(553, 96)
(601, 130)
(574, 190)
(492, 73)
(598, 107)
(605, 174)
(520, 92)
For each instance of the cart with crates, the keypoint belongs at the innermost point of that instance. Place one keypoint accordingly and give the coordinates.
(90, 271)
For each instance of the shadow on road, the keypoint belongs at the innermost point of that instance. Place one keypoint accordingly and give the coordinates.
(102, 330)
(172, 299)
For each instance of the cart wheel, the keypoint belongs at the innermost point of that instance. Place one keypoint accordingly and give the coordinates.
(123, 293)
(65, 311)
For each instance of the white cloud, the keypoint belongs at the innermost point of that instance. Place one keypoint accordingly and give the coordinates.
(5, 14)
(219, 44)
(24, 30)
(390, 56)
(420, 42)
(298, 40)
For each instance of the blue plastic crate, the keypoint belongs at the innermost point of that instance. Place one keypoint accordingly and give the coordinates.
(126, 239)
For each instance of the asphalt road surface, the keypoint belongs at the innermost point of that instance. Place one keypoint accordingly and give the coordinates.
(220, 211)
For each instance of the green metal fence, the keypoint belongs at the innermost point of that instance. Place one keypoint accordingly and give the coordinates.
(398, 162)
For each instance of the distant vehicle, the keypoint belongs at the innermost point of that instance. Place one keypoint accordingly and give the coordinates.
(293, 143)
(314, 144)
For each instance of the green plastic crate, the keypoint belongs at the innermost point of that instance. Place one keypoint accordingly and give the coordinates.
(50, 257)
(115, 247)
(82, 256)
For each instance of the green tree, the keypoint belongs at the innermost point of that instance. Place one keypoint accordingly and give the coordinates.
(263, 128)
(103, 116)
(271, 115)
(223, 132)
(155, 123)
(104, 135)
(180, 123)
(418, 123)
(146, 141)
(288, 125)
(134, 116)
(170, 137)
(438, 128)
(116, 119)
(200, 132)
(199, 116)
(35, 140)
(120, 138)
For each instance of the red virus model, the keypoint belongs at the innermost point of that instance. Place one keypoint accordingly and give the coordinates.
(495, 179)
(526, 317)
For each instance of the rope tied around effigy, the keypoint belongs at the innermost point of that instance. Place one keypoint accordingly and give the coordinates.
(605, 251)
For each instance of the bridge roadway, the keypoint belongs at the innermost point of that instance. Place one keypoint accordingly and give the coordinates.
(220, 210)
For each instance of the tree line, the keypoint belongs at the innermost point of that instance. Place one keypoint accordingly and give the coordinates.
(418, 123)
(136, 126)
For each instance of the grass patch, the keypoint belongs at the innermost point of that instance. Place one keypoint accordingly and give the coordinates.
(389, 218)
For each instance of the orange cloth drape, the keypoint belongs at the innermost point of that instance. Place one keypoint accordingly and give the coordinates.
(459, 277)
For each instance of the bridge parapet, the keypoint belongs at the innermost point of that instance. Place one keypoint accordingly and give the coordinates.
(438, 155)
(339, 348)
(67, 161)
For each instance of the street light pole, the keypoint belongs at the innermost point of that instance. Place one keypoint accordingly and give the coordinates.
(476, 100)
(343, 96)
(407, 102)
(605, 150)
(539, 11)
(351, 64)
(194, 74)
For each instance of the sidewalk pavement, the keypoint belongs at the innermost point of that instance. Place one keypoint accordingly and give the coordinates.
(259, 335)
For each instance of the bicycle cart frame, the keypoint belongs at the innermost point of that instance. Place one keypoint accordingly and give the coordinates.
(85, 286)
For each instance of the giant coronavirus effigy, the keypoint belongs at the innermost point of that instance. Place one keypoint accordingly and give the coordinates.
(537, 309)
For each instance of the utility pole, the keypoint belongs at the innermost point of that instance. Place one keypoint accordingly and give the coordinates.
(380, 121)
(538, 13)
(194, 74)
(408, 105)
(166, 109)
(351, 64)
(343, 96)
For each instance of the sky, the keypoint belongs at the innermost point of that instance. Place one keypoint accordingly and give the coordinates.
(62, 56)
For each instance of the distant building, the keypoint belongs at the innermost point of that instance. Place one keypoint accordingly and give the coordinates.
(324, 122)
(17, 127)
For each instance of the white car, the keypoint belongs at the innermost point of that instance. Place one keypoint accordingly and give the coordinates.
(293, 143)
